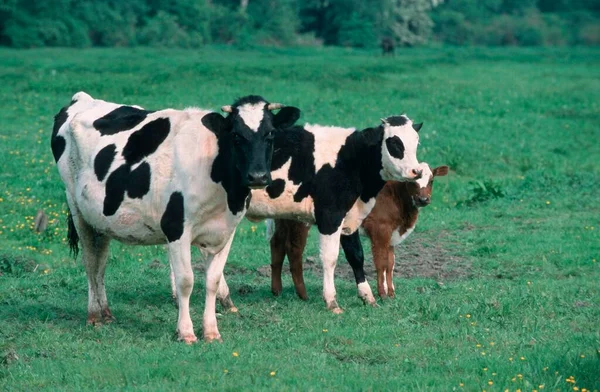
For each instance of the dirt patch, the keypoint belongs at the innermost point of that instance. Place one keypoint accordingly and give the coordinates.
(423, 255)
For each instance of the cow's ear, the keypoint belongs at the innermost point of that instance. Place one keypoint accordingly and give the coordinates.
(417, 127)
(215, 123)
(440, 171)
(286, 117)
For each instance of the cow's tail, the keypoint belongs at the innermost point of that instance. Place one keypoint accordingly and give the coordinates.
(72, 236)
(270, 229)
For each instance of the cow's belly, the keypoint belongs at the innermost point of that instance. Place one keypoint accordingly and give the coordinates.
(262, 206)
(136, 221)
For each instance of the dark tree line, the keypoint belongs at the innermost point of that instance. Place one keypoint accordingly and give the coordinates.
(355, 23)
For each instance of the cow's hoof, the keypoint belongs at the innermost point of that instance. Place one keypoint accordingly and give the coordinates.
(209, 338)
(233, 309)
(188, 339)
(337, 310)
(107, 316)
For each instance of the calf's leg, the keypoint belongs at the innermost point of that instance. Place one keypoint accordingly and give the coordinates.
(298, 234)
(356, 258)
(380, 248)
(278, 245)
(389, 275)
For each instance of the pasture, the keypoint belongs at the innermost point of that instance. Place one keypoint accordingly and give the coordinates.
(497, 288)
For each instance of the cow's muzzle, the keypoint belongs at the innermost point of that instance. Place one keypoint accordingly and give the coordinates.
(258, 180)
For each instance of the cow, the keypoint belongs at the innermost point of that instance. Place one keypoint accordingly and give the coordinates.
(387, 46)
(175, 177)
(390, 222)
(330, 176)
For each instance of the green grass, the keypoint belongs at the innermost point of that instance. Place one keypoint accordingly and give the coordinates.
(520, 129)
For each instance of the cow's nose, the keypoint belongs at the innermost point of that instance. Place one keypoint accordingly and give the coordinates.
(417, 173)
(425, 200)
(257, 179)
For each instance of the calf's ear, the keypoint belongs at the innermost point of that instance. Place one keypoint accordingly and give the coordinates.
(286, 117)
(440, 171)
(215, 123)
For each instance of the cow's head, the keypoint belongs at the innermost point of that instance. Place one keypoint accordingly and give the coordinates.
(420, 191)
(399, 149)
(250, 126)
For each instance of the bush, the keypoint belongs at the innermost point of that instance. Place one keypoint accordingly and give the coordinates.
(163, 30)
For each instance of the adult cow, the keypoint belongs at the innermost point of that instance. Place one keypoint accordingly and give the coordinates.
(330, 176)
(181, 177)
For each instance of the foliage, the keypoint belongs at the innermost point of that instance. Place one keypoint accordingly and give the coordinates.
(355, 23)
(521, 311)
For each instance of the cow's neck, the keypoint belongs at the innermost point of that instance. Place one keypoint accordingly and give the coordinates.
(225, 172)
(369, 160)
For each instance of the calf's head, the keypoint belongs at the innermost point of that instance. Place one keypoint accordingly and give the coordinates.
(420, 191)
(249, 130)
(399, 149)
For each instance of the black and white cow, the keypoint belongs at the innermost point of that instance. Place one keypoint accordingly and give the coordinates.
(181, 177)
(330, 176)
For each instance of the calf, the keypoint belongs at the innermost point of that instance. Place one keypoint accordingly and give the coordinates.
(181, 177)
(330, 176)
(390, 222)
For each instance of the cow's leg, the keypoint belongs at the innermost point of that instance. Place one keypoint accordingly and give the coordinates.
(329, 249)
(356, 258)
(94, 250)
(214, 273)
(298, 234)
(278, 245)
(173, 285)
(390, 273)
(224, 297)
(181, 261)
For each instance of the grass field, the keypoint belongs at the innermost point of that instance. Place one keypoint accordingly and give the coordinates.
(503, 293)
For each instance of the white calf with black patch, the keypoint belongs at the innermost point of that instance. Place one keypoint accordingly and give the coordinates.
(181, 177)
(330, 176)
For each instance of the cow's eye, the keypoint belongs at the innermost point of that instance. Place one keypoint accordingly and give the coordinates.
(270, 135)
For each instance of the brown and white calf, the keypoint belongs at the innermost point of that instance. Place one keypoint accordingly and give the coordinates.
(389, 223)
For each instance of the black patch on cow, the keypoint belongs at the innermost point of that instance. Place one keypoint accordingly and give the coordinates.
(396, 121)
(58, 143)
(173, 218)
(223, 171)
(139, 181)
(103, 161)
(249, 99)
(276, 188)
(395, 147)
(145, 141)
(354, 254)
(116, 185)
(248, 200)
(298, 144)
(121, 119)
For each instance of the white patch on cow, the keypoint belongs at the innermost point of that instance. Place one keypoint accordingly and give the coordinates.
(357, 215)
(252, 114)
(397, 239)
(426, 176)
(395, 169)
(365, 293)
(328, 141)
(385, 281)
